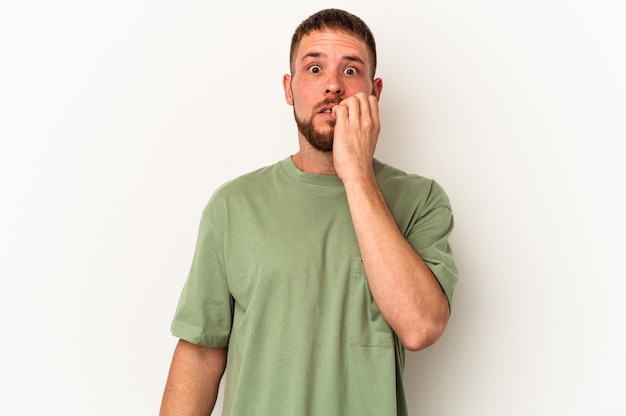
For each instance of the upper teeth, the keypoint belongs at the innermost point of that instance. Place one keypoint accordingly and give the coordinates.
(326, 111)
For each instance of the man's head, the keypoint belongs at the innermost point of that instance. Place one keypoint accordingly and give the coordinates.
(333, 57)
(335, 20)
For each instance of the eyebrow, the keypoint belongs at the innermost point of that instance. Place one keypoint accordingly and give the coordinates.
(349, 58)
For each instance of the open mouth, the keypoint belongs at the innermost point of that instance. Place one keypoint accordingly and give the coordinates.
(327, 109)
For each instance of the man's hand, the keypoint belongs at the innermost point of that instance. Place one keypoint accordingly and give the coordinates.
(356, 134)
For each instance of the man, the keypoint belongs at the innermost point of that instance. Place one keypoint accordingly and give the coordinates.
(313, 275)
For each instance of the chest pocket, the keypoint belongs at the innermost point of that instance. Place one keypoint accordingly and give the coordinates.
(367, 327)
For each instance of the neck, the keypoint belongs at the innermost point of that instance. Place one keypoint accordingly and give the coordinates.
(310, 160)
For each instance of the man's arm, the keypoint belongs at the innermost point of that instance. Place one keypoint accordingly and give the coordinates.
(403, 287)
(193, 381)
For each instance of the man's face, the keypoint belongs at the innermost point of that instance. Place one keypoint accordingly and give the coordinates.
(328, 67)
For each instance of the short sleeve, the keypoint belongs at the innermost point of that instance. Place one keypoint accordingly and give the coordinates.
(204, 312)
(429, 237)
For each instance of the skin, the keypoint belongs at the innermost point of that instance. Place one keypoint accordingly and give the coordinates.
(331, 71)
(193, 380)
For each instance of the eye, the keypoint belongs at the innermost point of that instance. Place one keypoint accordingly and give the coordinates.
(350, 70)
(315, 69)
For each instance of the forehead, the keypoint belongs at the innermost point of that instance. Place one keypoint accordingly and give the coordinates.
(332, 43)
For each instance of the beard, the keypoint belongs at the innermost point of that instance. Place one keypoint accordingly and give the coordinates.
(322, 141)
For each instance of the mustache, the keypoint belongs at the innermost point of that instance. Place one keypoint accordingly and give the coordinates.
(329, 100)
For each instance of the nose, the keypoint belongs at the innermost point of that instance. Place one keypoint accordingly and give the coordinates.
(333, 85)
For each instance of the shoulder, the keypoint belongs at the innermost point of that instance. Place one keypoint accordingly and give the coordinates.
(236, 191)
(397, 184)
(248, 183)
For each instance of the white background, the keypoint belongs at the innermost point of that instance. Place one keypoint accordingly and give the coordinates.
(118, 119)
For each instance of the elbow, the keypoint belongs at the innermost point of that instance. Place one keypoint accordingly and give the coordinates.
(423, 336)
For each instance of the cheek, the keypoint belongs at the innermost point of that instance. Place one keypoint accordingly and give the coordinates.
(361, 86)
(300, 101)
(303, 90)
(300, 110)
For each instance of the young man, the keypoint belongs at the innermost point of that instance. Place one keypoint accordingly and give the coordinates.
(312, 276)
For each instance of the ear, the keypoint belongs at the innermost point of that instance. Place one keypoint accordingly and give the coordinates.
(377, 89)
(287, 88)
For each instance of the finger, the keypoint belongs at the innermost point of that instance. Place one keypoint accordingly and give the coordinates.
(368, 111)
(340, 113)
(373, 110)
(354, 109)
(365, 108)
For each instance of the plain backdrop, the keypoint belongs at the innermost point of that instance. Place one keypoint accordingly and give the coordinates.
(118, 119)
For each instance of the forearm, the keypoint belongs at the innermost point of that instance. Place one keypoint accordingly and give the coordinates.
(403, 287)
(193, 380)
